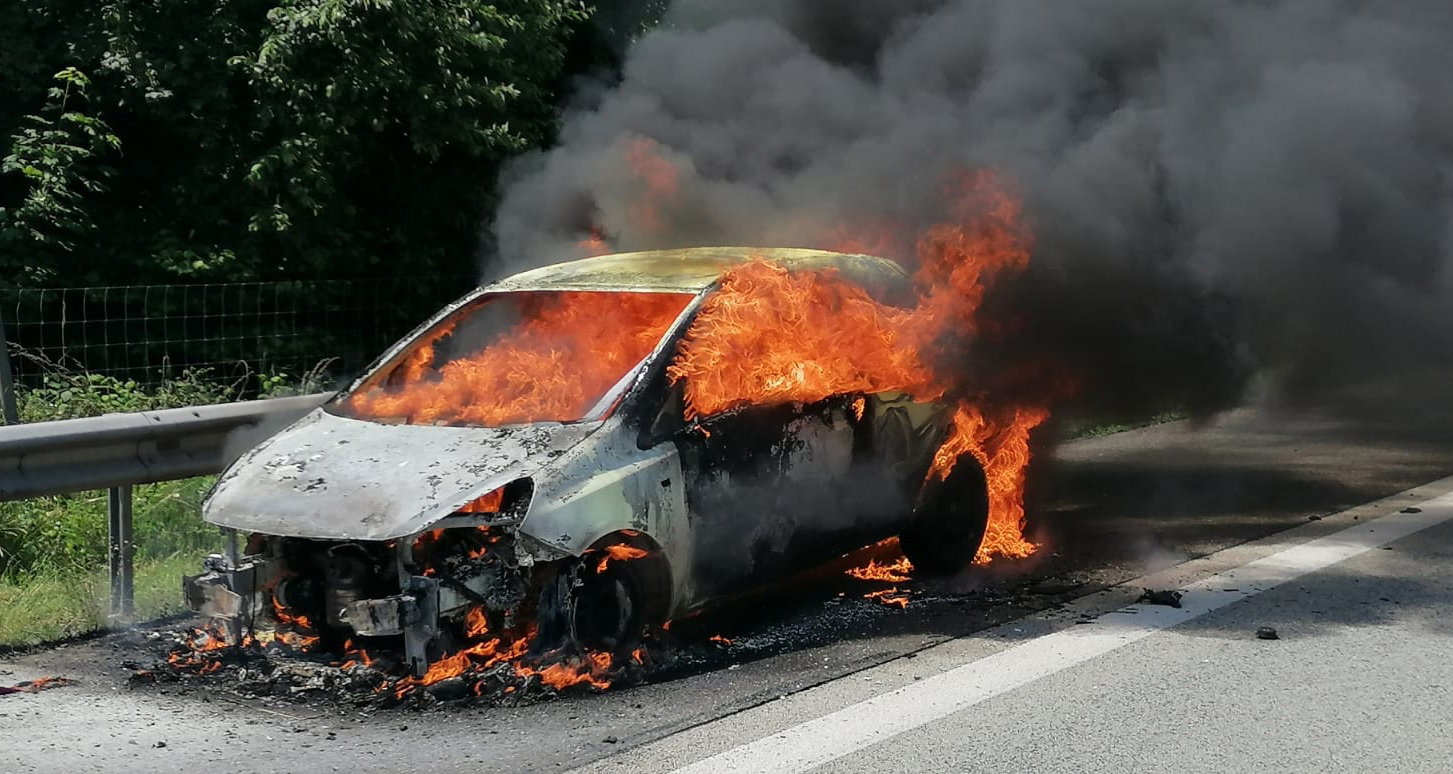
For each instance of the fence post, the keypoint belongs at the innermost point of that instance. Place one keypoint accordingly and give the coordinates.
(7, 379)
(122, 549)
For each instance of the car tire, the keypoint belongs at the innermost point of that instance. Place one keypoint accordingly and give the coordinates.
(590, 610)
(607, 612)
(948, 522)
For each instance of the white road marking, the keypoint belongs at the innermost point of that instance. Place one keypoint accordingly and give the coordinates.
(874, 720)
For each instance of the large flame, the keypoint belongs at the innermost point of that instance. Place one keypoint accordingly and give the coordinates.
(773, 336)
(569, 348)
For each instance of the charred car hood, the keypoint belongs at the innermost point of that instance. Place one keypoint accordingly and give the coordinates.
(335, 478)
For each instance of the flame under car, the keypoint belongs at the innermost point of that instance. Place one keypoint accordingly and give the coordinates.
(529, 455)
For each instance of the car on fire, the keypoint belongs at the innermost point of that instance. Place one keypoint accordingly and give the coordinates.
(528, 454)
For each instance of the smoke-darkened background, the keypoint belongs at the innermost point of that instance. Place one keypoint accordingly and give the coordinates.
(1213, 187)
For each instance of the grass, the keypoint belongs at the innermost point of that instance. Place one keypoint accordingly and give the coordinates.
(53, 550)
(53, 558)
(53, 603)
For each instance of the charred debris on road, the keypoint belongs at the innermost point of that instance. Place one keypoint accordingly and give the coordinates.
(290, 670)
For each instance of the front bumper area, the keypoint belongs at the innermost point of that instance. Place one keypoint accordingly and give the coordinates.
(407, 588)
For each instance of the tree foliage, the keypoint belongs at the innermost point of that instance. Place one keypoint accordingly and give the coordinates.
(177, 140)
(56, 153)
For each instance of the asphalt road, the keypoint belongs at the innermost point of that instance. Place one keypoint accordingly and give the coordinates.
(1357, 678)
(1107, 511)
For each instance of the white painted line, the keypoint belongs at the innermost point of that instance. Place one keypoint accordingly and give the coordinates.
(874, 720)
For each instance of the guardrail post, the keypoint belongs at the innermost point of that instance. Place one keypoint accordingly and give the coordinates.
(122, 550)
(7, 379)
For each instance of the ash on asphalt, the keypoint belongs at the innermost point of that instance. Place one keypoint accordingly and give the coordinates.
(814, 609)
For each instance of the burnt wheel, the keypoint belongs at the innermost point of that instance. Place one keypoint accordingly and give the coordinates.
(949, 521)
(595, 609)
(607, 612)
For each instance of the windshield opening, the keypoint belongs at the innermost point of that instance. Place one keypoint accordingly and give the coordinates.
(515, 358)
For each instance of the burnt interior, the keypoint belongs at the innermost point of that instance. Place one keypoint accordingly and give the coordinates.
(320, 579)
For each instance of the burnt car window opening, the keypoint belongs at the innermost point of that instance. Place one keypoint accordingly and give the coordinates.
(520, 357)
(768, 335)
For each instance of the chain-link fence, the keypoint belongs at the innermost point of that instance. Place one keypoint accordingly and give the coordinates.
(228, 332)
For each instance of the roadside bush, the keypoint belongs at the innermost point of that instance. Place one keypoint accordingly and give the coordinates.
(67, 395)
(67, 533)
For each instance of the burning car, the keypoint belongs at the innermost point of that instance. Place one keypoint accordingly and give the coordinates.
(535, 459)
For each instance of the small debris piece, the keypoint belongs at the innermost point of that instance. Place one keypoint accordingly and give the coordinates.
(1411, 509)
(1167, 597)
(610, 740)
(34, 686)
(159, 745)
(1314, 517)
(1266, 633)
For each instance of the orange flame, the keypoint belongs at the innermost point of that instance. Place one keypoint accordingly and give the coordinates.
(771, 336)
(356, 656)
(619, 552)
(890, 597)
(896, 572)
(476, 625)
(489, 503)
(568, 350)
(1002, 448)
(489, 650)
(564, 675)
(297, 635)
(35, 686)
(200, 643)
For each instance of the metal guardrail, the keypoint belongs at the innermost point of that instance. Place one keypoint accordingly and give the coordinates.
(117, 451)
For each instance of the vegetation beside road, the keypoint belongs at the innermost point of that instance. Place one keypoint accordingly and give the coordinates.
(53, 550)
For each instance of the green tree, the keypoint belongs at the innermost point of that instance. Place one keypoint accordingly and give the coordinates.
(59, 154)
(370, 109)
(259, 139)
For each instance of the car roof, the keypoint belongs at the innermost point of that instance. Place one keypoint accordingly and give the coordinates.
(695, 269)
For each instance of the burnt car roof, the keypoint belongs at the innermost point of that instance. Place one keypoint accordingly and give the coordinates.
(695, 269)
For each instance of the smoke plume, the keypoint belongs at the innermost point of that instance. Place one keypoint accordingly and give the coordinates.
(1213, 187)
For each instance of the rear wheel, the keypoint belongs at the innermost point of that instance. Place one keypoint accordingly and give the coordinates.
(949, 521)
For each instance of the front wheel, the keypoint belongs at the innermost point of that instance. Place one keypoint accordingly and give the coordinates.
(592, 605)
(948, 522)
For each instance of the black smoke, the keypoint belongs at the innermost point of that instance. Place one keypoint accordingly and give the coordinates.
(1215, 188)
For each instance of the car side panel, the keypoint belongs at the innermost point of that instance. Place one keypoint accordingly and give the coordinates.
(774, 490)
(607, 485)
